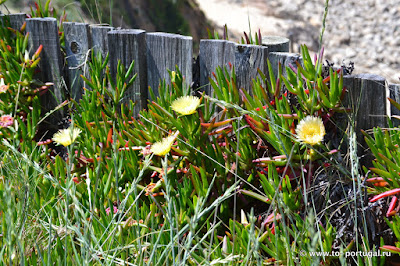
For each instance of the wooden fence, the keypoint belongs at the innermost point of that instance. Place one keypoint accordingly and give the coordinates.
(154, 53)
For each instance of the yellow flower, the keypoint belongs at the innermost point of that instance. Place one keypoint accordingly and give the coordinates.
(163, 147)
(310, 130)
(67, 136)
(186, 105)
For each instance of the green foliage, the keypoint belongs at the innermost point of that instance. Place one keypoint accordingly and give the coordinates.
(20, 92)
(108, 197)
(215, 35)
(167, 17)
(384, 176)
(43, 11)
(48, 10)
(248, 39)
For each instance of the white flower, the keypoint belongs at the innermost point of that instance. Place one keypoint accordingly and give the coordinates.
(310, 130)
(67, 136)
(186, 105)
(163, 147)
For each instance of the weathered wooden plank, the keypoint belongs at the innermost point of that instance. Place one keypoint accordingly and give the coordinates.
(285, 59)
(165, 51)
(127, 46)
(214, 53)
(278, 49)
(367, 97)
(394, 90)
(99, 38)
(43, 31)
(248, 59)
(276, 43)
(16, 20)
(77, 45)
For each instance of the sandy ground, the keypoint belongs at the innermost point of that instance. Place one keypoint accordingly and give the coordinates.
(241, 15)
(367, 34)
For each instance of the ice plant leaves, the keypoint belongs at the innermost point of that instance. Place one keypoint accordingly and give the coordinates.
(385, 194)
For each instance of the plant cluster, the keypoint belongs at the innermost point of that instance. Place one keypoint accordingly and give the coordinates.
(383, 177)
(193, 179)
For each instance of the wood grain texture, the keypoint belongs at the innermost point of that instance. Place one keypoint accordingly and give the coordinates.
(248, 59)
(77, 45)
(16, 20)
(43, 31)
(366, 97)
(285, 59)
(165, 51)
(99, 39)
(213, 54)
(276, 43)
(127, 46)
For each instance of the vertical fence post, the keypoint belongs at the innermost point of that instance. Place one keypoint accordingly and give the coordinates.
(285, 59)
(127, 46)
(276, 43)
(43, 31)
(278, 48)
(164, 52)
(99, 39)
(16, 20)
(248, 59)
(367, 98)
(214, 53)
(77, 44)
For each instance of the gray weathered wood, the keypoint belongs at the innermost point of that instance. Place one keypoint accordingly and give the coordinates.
(285, 59)
(213, 54)
(43, 31)
(77, 45)
(99, 38)
(16, 20)
(276, 43)
(127, 46)
(394, 90)
(165, 51)
(367, 97)
(248, 59)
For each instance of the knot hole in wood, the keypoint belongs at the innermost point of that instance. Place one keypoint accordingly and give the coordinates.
(75, 47)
